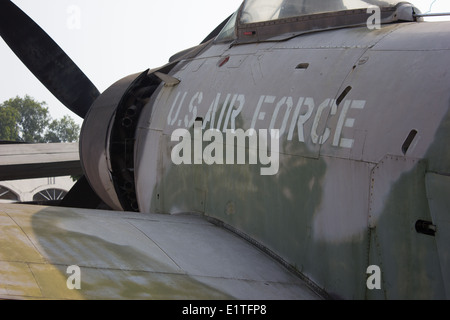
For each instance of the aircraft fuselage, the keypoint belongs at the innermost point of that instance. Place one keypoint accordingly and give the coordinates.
(363, 123)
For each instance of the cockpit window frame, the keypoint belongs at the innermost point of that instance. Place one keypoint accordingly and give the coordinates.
(286, 28)
(232, 37)
(228, 33)
(268, 10)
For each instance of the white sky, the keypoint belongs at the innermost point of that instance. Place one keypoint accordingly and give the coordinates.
(110, 39)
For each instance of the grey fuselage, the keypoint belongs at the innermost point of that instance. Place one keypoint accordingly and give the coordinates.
(363, 117)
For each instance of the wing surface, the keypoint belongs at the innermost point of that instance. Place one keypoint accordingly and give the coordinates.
(132, 256)
(28, 161)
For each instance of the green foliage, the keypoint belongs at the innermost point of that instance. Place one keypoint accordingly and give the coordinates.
(9, 128)
(27, 120)
(63, 130)
(75, 178)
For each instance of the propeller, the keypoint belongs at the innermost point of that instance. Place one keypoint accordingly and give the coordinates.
(46, 60)
(57, 72)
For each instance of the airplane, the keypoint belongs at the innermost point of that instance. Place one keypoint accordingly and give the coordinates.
(299, 152)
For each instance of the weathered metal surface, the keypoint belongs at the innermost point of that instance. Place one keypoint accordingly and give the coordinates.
(398, 201)
(438, 191)
(361, 178)
(94, 153)
(355, 97)
(133, 256)
(326, 15)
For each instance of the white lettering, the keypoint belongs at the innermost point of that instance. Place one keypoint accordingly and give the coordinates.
(314, 135)
(198, 143)
(199, 310)
(224, 107)
(215, 147)
(274, 158)
(235, 112)
(170, 120)
(181, 152)
(193, 109)
(309, 118)
(374, 280)
(261, 115)
(227, 118)
(289, 104)
(347, 123)
(340, 124)
(74, 19)
(239, 135)
(211, 114)
(294, 120)
(327, 132)
(374, 21)
(74, 280)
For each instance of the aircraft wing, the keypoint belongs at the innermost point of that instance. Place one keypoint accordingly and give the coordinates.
(28, 161)
(124, 255)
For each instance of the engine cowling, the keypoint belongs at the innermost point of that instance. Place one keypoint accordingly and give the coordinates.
(108, 137)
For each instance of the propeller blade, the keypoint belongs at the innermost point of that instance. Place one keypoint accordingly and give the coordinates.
(46, 60)
(82, 196)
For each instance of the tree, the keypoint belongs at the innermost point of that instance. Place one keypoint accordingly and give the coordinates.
(33, 118)
(9, 129)
(27, 120)
(63, 130)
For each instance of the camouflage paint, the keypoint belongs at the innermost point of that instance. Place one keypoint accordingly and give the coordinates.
(330, 212)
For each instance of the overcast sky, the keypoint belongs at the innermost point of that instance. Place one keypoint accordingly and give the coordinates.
(110, 39)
